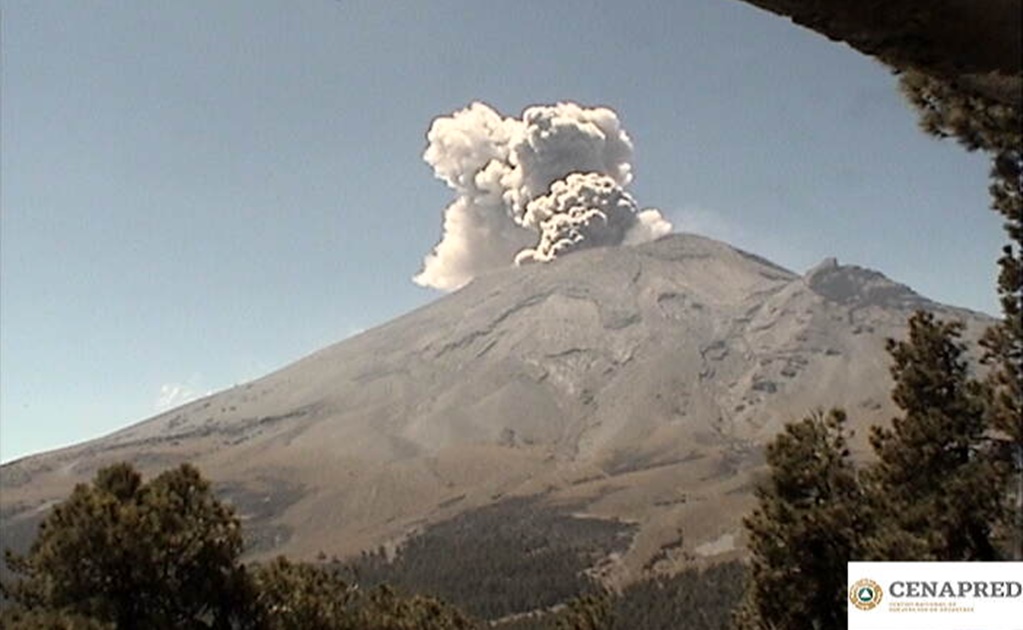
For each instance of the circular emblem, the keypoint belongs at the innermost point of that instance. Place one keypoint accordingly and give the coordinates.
(865, 594)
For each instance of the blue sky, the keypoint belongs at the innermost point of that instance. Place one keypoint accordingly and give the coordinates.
(197, 193)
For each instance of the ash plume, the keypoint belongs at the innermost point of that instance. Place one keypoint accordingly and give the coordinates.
(531, 189)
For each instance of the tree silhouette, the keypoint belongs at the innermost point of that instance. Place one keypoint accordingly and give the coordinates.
(935, 484)
(978, 123)
(810, 520)
(140, 555)
(124, 554)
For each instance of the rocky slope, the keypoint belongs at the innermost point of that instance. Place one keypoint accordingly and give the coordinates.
(636, 383)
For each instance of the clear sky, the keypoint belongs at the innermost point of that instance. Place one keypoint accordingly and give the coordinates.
(196, 193)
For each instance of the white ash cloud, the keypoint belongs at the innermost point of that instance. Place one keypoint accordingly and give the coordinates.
(530, 189)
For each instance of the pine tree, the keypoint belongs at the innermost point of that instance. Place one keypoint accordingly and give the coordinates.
(934, 493)
(810, 521)
(589, 612)
(996, 128)
(1003, 343)
(934, 486)
(383, 609)
(121, 553)
(139, 555)
(295, 596)
(21, 619)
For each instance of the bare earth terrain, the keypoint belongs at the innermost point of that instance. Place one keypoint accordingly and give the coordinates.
(637, 382)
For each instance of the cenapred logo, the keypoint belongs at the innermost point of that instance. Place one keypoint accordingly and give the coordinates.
(934, 595)
(865, 594)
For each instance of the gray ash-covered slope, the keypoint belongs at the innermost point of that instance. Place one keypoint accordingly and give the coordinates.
(630, 382)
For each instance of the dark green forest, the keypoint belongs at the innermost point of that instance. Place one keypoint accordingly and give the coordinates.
(515, 556)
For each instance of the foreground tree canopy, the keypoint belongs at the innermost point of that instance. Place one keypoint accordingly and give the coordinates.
(936, 490)
(161, 554)
(122, 553)
(809, 522)
(979, 123)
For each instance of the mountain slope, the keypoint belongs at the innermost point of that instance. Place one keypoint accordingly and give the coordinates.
(634, 382)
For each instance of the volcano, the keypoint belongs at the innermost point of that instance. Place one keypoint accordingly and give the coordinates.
(633, 383)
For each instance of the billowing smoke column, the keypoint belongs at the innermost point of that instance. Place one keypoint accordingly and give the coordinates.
(531, 189)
